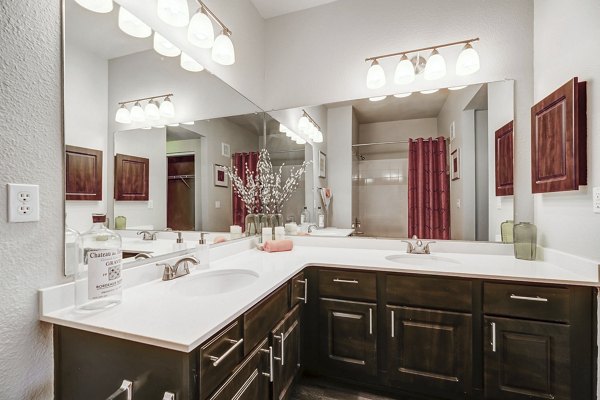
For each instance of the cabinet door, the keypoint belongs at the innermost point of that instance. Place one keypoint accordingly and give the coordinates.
(430, 351)
(249, 381)
(286, 353)
(348, 337)
(526, 360)
(504, 160)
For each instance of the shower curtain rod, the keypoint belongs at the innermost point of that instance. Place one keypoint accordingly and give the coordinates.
(380, 143)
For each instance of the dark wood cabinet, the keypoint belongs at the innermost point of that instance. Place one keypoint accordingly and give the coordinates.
(558, 140)
(348, 338)
(430, 351)
(261, 318)
(526, 360)
(132, 177)
(83, 174)
(286, 349)
(504, 160)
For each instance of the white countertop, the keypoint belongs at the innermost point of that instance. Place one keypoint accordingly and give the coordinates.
(153, 313)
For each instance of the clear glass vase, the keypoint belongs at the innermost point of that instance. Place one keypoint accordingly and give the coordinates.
(276, 220)
(265, 221)
(525, 238)
(252, 223)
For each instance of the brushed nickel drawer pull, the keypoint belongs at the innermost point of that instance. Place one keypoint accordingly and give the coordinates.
(354, 281)
(393, 323)
(217, 360)
(527, 298)
(370, 321)
(305, 282)
(281, 338)
(494, 337)
(126, 386)
(270, 352)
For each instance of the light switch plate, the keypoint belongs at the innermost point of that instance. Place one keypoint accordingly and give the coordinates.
(23, 203)
(217, 204)
(596, 200)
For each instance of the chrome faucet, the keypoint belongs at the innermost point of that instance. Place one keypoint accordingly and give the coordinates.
(142, 256)
(310, 228)
(418, 246)
(147, 235)
(170, 272)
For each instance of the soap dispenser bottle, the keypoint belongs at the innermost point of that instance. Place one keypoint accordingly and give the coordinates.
(202, 252)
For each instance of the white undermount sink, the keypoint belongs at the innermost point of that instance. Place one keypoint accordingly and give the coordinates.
(423, 260)
(214, 282)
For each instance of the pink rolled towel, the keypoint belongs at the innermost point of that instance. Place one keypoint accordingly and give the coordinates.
(273, 246)
(219, 239)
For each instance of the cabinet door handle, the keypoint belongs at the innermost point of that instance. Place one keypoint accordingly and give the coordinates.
(354, 281)
(527, 298)
(393, 323)
(169, 396)
(126, 386)
(305, 298)
(270, 352)
(281, 338)
(217, 360)
(370, 321)
(493, 336)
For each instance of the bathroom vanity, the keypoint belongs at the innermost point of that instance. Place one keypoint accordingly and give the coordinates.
(448, 326)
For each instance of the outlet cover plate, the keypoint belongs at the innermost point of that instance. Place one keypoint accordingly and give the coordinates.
(23, 203)
(596, 200)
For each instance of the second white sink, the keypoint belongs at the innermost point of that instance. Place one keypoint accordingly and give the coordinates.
(214, 282)
(423, 260)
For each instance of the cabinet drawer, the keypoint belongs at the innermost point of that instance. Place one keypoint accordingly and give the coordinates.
(437, 293)
(299, 289)
(347, 284)
(219, 357)
(525, 301)
(259, 321)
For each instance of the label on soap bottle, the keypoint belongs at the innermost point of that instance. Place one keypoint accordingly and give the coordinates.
(104, 273)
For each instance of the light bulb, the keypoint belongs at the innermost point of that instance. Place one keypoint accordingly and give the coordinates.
(164, 47)
(167, 110)
(319, 137)
(137, 113)
(200, 31)
(132, 25)
(99, 6)
(173, 12)
(436, 66)
(431, 91)
(375, 76)
(123, 116)
(457, 87)
(468, 61)
(377, 98)
(405, 71)
(402, 95)
(223, 51)
(189, 64)
(151, 111)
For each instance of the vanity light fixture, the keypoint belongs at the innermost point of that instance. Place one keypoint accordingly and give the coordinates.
(123, 115)
(132, 25)
(200, 30)
(99, 6)
(173, 12)
(152, 112)
(189, 64)
(309, 128)
(377, 98)
(223, 51)
(431, 91)
(435, 68)
(402, 95)
(201, 33)
(457, 87)
(163, 47)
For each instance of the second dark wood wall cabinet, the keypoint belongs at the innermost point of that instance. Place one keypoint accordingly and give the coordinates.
(83, 173)
(559, 140)
(132, 176)
(504, 160)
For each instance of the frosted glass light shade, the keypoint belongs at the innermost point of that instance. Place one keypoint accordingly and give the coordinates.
(151, 111)
(318, 137)
(123, 116)
(436, 67)
(132, 25)
(167, 110)
(99, 6)
(303, 124)
(163, 47)
(431, 91)
(402, 95)
(377, 98)
(223, 51)
(468, 61)
(375, 76)
(173, 12)
(189, 64)
(457, 87)
(200, 31)
(137, 113)
(405, 71)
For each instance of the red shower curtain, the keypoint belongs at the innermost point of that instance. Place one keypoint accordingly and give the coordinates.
(240, 160)
(428, 189)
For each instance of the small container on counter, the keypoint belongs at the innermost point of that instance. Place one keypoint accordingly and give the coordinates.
(267, 234)
(291, 228)
(235, 232)
(525, 241)
(202, 252)
(279, 233)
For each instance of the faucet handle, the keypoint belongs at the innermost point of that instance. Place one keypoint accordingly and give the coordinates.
(410, 247)
(426, 248)
(167, 272)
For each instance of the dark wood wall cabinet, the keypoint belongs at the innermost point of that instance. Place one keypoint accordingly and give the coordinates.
(132, 177)
(559, 140)
(413, 337)
(83, 178)
(504, 160)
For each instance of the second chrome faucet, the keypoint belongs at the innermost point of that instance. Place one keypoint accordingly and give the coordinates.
(171, 272)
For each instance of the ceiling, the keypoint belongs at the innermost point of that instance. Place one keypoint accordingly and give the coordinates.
(415, 106)
(275, 8)
(100, 33)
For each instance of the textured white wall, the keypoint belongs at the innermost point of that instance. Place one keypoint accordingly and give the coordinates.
(565, 220)
(32, 152)
(317, 56)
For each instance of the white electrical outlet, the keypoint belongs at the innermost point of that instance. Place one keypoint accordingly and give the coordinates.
(217, 204)
(150, 203)
(23, 203)
(596, 200)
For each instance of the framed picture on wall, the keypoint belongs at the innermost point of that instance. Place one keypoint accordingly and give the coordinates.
(225, 150)
(455, 164)
(221, 178)
(322, 165)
